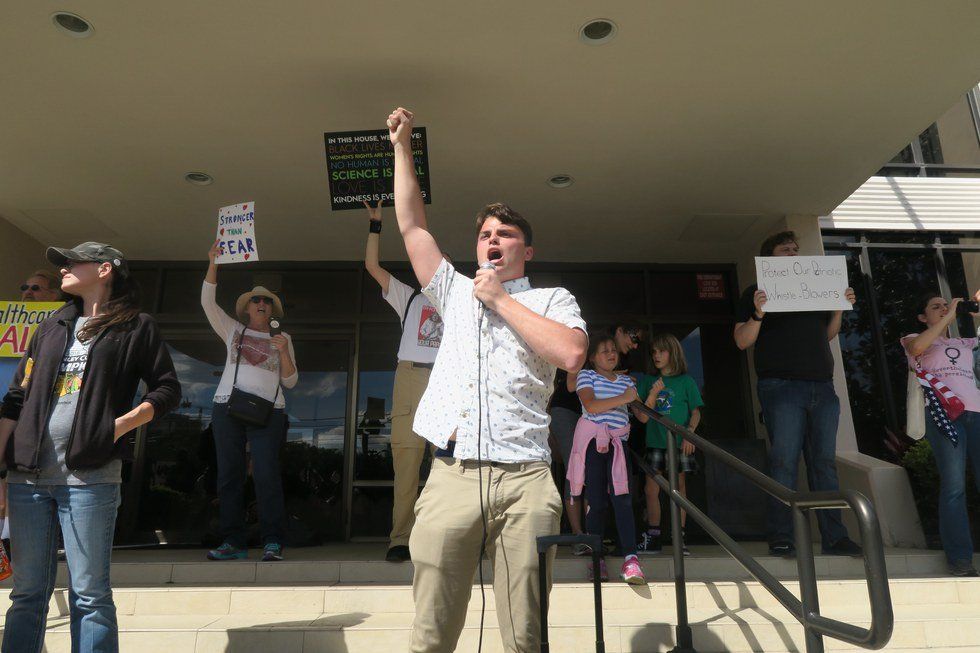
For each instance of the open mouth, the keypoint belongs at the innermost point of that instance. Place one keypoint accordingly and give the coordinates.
(494, 254)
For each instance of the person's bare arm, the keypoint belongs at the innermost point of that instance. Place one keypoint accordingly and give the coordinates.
(833, 327)
(142, 414)
(595, 406)
(372, 251)
(423, 251)
(919, 344)
(560, 345)
(746, 333)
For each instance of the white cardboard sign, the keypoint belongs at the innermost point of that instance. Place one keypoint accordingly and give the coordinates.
(236, 233)
(802, 283)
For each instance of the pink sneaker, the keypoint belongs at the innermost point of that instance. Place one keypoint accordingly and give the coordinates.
(603, 572)
(631, 572)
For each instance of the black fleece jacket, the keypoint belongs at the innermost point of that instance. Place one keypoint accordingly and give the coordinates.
(118, 359)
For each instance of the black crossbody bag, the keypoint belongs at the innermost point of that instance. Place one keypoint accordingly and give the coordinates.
(246, 407)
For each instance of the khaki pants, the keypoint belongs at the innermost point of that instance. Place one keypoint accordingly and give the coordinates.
(521, 503)
(407, 449)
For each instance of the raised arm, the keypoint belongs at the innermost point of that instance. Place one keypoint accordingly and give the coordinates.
(372, 250)
(833, 326)
(919, 344)
(423, 251)
(222, 323)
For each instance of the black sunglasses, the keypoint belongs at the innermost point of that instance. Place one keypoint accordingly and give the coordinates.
(259, 299)
(33, 288)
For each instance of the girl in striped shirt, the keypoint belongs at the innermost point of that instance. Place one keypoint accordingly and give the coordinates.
(598, 459)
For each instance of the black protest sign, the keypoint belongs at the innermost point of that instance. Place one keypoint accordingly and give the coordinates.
(360, 167)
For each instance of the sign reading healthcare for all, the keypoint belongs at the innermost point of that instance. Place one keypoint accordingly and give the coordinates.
(803, 283)
(236, 234)
(17, 323)
(360, 167)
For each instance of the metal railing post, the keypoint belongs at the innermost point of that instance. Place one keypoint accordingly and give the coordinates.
(543, 593)
(685, 640)
(808, 578)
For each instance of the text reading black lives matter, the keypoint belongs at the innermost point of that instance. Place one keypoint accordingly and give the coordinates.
(360, 167)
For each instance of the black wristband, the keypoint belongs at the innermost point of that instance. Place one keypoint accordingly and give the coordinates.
(756, 317)
(375, 226)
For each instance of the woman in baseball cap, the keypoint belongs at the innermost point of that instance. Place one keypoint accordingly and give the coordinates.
(260, 363)
(69, 410)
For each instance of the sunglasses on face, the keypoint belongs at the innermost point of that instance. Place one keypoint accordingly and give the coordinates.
(634, 336)
(70, 265)
(261, 300)
(32, 288)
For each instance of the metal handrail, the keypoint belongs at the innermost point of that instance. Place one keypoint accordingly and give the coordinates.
(806, 610)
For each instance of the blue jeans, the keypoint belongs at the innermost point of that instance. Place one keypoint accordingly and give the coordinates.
(264, 443)
(801, 417)
(954, 521)
(599, 492)
(87, 517)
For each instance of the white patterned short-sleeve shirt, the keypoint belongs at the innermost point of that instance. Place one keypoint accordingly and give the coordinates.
(506, 394)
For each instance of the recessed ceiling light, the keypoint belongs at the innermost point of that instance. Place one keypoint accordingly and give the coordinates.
(597, 31)
(72, 24)
(561, 181)
(199, 178)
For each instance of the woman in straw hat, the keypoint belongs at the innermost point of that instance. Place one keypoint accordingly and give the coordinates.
(259, 366)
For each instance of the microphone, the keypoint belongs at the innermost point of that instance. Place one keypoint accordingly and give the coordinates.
(274, 327)
(486, 265)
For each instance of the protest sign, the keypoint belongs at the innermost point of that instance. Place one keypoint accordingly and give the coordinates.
(802, 283)
(236, 234)
(360, 167)
(17, 323)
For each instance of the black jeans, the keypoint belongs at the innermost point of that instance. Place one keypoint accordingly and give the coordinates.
(599, 492)
(264, 442)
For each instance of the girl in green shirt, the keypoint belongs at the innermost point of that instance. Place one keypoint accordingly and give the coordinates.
(674, 394)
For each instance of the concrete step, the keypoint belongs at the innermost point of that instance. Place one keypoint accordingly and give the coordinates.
(223, 600)
(934, 627)
(344, 564)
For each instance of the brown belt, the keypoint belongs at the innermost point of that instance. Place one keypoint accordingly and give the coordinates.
(427, 366)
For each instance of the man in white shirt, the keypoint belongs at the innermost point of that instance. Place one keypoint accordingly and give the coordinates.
(421, 335)
(488, 392)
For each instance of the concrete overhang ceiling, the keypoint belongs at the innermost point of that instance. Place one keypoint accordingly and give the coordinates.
(745, 109)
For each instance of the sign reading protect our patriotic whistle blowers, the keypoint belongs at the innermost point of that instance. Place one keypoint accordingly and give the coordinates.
(360, 167)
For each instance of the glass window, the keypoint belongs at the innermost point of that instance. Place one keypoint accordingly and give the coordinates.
(178, 482)
(376, 379)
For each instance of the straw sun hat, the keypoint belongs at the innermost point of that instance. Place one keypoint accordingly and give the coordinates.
(257, 291)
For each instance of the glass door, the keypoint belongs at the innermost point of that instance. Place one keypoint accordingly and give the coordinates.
(171, 495)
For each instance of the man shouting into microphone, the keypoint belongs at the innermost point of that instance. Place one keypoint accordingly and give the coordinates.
(489, 389)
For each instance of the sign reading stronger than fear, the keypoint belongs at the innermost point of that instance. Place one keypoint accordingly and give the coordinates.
(803, 283)
(360, 167)
(236, 234)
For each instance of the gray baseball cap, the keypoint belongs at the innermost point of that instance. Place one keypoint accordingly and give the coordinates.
(89, 252)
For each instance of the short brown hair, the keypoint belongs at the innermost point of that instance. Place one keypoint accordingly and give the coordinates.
(775, 240)
(506, 215)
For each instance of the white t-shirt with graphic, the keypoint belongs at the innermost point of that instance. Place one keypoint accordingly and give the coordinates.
(423, 325)
(258, 373)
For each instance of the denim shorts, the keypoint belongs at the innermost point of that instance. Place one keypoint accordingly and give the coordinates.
(657, 459)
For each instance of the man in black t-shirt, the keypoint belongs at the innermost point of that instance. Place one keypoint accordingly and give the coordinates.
(800, 408)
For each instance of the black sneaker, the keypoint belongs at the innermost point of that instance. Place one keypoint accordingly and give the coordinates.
(844, 547)
(649, 544)
(782, 550)
(963, 569)
(398, 553)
